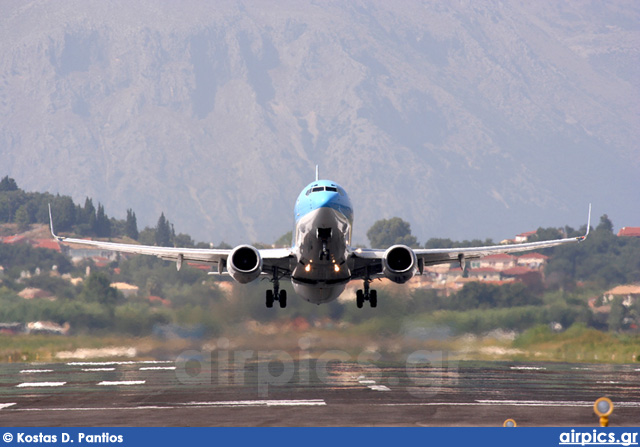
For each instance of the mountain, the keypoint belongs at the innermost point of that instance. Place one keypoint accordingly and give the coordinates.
(467, 119)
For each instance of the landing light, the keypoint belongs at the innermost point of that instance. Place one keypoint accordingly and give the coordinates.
(307, 268)
(336, 268)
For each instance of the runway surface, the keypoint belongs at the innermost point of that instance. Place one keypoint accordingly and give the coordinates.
(241, 390)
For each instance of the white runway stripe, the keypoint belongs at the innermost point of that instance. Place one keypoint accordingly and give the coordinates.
(140, 407)
(97, 369)
(157, 368)
(519, 403)
(34, 371)
(40, 384)
(6, 405)
(379, 388)
(257, 403)
(122, 382)
(128, 362)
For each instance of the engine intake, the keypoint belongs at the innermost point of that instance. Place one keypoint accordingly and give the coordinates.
(244, 264)
(399, 264)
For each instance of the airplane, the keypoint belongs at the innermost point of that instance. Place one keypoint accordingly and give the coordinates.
(321, 260)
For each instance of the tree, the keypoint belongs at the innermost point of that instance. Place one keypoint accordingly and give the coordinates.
(97, 288)
(605, 224)
(284, 240)
(8, 184)
(103, 225)
(22, 218)
(131, 225)
(616, 315)
(387, 232)
(164, 232)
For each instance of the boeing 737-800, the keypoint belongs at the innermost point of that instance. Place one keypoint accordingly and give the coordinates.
(321, 260)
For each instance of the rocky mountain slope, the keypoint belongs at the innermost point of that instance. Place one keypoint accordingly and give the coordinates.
(468, 119)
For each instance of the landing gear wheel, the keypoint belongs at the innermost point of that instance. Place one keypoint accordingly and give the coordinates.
(283, 299)
(373, 298)
(359, 299)
(269, 298)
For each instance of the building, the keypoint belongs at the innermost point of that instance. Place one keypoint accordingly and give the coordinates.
(485, 274)
(629, 232)
(524, 237)
(629, 294)
(533, 261)
(128, 290)
(497, 262)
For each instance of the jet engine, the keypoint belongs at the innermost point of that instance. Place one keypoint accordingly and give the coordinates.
(399, 264)
(244, 264)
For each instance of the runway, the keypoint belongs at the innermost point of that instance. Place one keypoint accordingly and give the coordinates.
(275, 390)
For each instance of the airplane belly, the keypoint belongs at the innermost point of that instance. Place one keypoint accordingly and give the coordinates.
(318, 295)
(321, 273)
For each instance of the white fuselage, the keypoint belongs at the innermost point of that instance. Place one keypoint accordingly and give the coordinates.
(321, 240)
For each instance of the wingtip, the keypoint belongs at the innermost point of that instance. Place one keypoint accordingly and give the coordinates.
(582, 238)
(51, 226)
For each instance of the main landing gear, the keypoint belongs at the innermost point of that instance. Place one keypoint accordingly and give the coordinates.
(366, 294)
(276, 294)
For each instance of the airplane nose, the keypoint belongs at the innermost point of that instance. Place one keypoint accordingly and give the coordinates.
(328, 198)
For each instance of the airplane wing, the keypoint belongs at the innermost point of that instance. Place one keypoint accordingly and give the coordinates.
(270, 257)
(371, 258)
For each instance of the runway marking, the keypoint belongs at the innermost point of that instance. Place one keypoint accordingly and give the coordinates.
(257, 403)
(157, 368)
(367, 382)
(30, 371)
(128, 362)
(140, 407)
(122, 382)
(379, 388)
(534, 368)
(6, 405)
(97, 369)
(40, 384)
(519, 403)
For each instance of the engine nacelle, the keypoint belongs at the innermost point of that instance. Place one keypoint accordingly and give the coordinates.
(399, 264)
(244, 264)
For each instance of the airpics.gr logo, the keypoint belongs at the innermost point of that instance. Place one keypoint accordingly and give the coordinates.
(597, 438)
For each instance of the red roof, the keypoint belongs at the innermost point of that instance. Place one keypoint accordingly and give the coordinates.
(534, 256)
(629, 231)
(483, 270)
(526, 234)
(51, 244)
(14, 239)
(517, 271)
(157, 299)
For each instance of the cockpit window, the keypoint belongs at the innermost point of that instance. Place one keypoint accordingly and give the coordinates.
(331, 189)
(308, 192)
(317, 188)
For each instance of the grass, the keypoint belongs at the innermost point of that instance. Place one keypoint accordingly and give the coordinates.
(577, 344)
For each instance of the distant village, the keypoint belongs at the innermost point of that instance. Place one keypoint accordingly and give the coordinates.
(445, 279)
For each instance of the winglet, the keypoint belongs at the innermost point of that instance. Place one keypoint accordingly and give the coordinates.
(317, 173)
(582, 238)
(51, 226)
